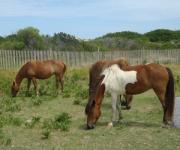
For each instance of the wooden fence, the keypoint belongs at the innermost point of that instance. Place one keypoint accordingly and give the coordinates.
(12, 59)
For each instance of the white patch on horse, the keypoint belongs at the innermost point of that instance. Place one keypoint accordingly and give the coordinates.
(115, 79)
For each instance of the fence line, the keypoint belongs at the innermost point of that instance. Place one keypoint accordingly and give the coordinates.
(12, 59)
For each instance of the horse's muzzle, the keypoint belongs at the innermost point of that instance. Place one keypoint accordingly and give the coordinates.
(90, 126)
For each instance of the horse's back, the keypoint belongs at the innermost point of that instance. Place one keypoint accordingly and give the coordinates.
(42, 69)
(148, 76)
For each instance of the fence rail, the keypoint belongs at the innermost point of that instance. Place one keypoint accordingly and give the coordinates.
(12, 59)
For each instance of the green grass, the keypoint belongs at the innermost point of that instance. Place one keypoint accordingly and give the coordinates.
(39, 122)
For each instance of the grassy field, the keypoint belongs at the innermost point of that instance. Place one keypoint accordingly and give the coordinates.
(58, 122)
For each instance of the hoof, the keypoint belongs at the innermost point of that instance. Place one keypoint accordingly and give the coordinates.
(110, 125)
(128, 107)
(167, 126)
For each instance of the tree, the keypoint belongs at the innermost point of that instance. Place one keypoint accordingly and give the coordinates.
(31, 38)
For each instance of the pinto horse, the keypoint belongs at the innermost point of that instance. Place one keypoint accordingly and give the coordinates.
(95, 77)
(33, 70)
(133, 80)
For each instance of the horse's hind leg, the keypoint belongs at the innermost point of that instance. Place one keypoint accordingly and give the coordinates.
(35, 86)
(59, 79)
(57, 82)
(62, 83)
(161, 96)
(118, 106)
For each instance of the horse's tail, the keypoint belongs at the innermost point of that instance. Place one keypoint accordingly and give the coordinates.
(65, 68)
(169, 97)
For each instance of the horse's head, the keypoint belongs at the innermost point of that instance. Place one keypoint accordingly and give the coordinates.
(14, 88)
(93, 107)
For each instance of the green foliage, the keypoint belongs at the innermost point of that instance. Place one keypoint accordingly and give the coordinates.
(124, 34)
(73, 81)
(61, 121)
(8, 119)
(30, 37)
(5, 83)
(160, 35)
(9, 45)
(8, 104)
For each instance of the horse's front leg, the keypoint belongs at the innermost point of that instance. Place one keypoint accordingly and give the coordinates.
(59, 81)
(118, 106)
(28, 86)
(35, 86)
(114, 118)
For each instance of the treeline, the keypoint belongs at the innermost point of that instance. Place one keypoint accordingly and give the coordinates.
(30, 39)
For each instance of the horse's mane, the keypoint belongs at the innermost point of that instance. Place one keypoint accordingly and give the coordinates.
(98, 67)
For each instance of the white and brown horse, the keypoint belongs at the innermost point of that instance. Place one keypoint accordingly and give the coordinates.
(133, 80)
(33, 70)
(95, 75)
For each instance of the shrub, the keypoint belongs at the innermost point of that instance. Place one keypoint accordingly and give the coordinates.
(62, 122)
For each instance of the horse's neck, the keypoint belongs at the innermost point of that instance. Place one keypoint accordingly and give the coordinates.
(19, 77)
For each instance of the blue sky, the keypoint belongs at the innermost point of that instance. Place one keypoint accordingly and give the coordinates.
(88, 18)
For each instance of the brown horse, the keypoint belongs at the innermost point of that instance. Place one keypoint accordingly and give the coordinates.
(133, 80)
(33, 70)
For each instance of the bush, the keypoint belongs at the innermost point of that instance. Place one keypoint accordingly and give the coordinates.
(61, 121)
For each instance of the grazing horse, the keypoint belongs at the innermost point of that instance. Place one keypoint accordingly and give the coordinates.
(133, 80)
(95, 77)
(33, 70)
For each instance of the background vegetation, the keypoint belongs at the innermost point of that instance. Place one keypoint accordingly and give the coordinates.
(54, 121)
(31, 39)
